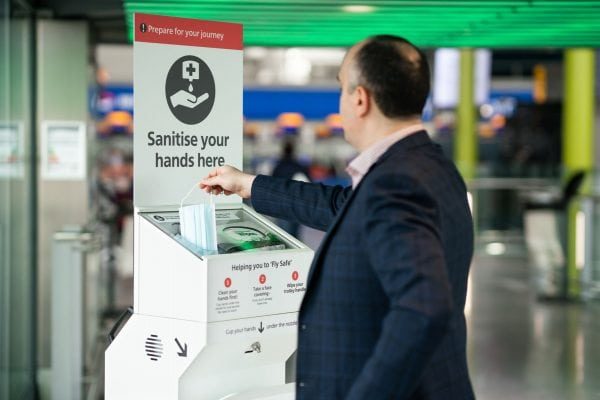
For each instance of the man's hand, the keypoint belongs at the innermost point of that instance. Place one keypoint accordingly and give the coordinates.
(228, 180)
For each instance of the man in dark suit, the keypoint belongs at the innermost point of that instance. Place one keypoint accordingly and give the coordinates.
(382, 317)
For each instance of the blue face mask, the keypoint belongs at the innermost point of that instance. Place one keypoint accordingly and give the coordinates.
(198, 224)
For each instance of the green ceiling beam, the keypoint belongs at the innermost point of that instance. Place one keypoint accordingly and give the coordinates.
(312, 12)
(395, 3)
(450, 18)
(429, 23)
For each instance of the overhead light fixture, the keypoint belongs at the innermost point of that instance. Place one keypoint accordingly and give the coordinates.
(358, 8)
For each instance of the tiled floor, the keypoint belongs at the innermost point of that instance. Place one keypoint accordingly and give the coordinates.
(522, 348)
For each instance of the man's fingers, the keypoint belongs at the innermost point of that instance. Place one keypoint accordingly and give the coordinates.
(212, 174)
(211, 181)
(216, 190)
(218, 180)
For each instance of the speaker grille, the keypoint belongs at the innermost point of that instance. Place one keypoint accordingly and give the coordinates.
(154, 347)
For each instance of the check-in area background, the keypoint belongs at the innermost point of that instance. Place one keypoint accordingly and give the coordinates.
(514, 103)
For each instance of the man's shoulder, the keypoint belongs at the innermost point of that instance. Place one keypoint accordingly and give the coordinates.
(422, 165)
(408, 162)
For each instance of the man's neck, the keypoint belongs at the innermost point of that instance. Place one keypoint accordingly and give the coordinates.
(380, 128)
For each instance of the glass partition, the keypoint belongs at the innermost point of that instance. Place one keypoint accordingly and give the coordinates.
(17, 219)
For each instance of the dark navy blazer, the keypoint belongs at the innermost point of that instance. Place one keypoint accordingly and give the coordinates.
(382, 317)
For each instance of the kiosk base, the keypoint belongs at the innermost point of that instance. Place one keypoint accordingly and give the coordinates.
(169, 359)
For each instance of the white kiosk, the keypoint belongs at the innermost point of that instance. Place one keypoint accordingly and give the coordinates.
(204, 326)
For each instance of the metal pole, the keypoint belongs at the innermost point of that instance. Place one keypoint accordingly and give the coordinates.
(578, 142)
(465, 142)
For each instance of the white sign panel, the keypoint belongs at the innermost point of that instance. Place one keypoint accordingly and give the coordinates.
(446, 77)
(11, 150)
(63, 150)
(188, 86)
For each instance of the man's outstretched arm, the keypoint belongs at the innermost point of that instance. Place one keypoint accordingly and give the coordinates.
(311, 204)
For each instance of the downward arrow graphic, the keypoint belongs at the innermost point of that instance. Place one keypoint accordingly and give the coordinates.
(183, 352)
(261, 329)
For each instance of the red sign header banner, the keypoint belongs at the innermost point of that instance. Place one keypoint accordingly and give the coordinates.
(187, 32)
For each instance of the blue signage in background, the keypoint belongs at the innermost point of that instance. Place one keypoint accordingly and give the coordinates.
(269, 103)
(112, 98)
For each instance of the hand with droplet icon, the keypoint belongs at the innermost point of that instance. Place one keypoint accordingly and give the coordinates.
(186, 99)
(189, 84)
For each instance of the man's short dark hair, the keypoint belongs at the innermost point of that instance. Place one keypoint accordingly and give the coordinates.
(396, 73)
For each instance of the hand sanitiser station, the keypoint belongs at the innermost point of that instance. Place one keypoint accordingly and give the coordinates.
(205, 325)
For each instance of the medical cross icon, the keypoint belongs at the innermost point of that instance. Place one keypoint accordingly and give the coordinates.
(190, 69)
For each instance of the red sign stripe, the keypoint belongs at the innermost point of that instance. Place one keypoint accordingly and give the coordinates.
(187, 32)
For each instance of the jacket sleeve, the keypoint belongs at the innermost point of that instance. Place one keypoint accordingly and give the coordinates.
(406, 253)
(311, 204)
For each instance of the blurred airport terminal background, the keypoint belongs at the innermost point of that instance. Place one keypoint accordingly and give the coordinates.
(514, 103)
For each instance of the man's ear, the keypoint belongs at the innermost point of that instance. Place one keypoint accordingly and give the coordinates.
(362, 101)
